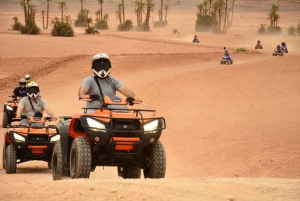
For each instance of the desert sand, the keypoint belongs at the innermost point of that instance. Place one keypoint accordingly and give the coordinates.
(233, 131)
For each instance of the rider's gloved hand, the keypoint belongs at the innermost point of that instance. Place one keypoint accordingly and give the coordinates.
(130, 100)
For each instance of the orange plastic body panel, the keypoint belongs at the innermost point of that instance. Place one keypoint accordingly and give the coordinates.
(124, 144)
(37, 147)
(37, 151)
(74, 134)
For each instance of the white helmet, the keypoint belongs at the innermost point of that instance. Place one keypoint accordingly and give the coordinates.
(33, 90)
(101, 65)
(27, 78)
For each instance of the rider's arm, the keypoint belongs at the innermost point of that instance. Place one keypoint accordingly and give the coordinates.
(19, 111)
(50, 112)
(127, 92)
(82, 92)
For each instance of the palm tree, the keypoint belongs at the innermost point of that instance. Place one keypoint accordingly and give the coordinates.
(68, 19)
(48, 5)
(150, 6)
(161, 8)
(166, 8)
(210, 2)
(63, 7)
(232, 11)
(97, 15)
(100, 2)
(225, 19)
(43, 18)
(81, 1)
(139, 9)
(89, 21)
(105, 17)
(123, 5)
(119, 13)
(200, 8)
(205, 5)
(273, 16)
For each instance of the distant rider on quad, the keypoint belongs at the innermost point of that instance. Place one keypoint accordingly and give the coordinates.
(28, 79)
(33, 105)
(226, 52)
(278, 49)
(21, 90)
(258, 42)
(101, 83)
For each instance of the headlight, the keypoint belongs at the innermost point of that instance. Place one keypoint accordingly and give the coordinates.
(19, 138)
(9, 108)
(95, 125)
(55, 138)
(151, 126)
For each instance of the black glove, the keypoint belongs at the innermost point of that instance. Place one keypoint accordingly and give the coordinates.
(130, 101)
(94, 97)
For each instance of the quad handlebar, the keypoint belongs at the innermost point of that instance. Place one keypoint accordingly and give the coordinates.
(129, 101)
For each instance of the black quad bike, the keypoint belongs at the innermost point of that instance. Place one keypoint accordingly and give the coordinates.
(32, 141)
(9, 111)
(112, 135)
(196, 40)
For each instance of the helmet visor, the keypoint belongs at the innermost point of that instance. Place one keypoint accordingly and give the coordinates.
(33, 90)
(101, 68)
(22, 83)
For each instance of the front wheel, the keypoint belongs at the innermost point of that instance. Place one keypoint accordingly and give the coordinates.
(5, 120)
(3, 156)
(10, 159)
(156, 161)
(57, 164)
(80, 158)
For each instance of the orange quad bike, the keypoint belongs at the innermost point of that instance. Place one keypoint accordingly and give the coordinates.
(114, 136)
(33, 141)
(9, 111)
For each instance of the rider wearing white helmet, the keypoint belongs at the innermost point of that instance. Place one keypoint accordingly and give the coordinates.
(34, 105)
(21, 90)
(28, 79)
(102, 83)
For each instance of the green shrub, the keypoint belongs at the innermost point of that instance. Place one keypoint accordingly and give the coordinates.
(61, 29)
(241, 49)
(102, 24)
(30, 28)
(81, 20)
(297, 29)
(128, 25)
(160, 24)
(274, 30)
(291, 30)
(204, 23)
(142, 27)
(262, 29)
(17, 24)
(90, 30)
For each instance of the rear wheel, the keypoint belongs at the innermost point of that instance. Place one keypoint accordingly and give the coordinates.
(80, 158)
(5, 120)
(57, 164)
(221, 62)
(11, 159)
(3, 156)
(156, 161)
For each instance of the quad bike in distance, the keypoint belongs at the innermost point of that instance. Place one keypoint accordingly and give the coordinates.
(284, 49)
(196, 40)
(114, 136)
(277, 53)
(9, 111)
(259, 46)
(33, 141)
(226, 60)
